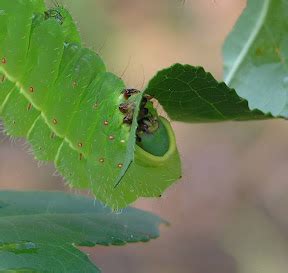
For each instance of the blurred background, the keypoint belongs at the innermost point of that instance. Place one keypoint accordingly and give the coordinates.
(229, 212)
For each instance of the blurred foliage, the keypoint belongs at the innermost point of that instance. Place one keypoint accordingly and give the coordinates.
(256, 56)
(47, 226)
(220, 160)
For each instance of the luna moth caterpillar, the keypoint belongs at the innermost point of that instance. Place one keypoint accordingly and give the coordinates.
(58, 95)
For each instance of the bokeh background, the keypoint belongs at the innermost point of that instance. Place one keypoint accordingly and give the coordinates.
(229, 212)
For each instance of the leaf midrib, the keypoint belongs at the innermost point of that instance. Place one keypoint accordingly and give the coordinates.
(255, 31)
(65, 227)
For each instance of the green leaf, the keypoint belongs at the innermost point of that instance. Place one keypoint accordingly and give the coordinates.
(39, 231)
(190, 94)
(256, 54)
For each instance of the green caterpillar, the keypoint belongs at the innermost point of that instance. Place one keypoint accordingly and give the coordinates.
(59, 96)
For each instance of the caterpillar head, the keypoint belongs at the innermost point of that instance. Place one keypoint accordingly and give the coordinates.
(152, 136)
(64, 18)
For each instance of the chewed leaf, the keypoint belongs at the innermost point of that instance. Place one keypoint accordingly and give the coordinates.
(48, 228)
(256, 54)
(190, 94)
(57, 94)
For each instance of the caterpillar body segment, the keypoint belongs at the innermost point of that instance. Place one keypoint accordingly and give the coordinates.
(102, 140)
(44, 141)
(15, 24)
(73, 166)
(102, 128)
(43, 62)
(18, 114)
(60, 97)
(71, 88)
(6, 88)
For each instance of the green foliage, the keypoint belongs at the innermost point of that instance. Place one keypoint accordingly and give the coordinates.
(77, 123)
(39, 231)
(256, 53)
(190, 94)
